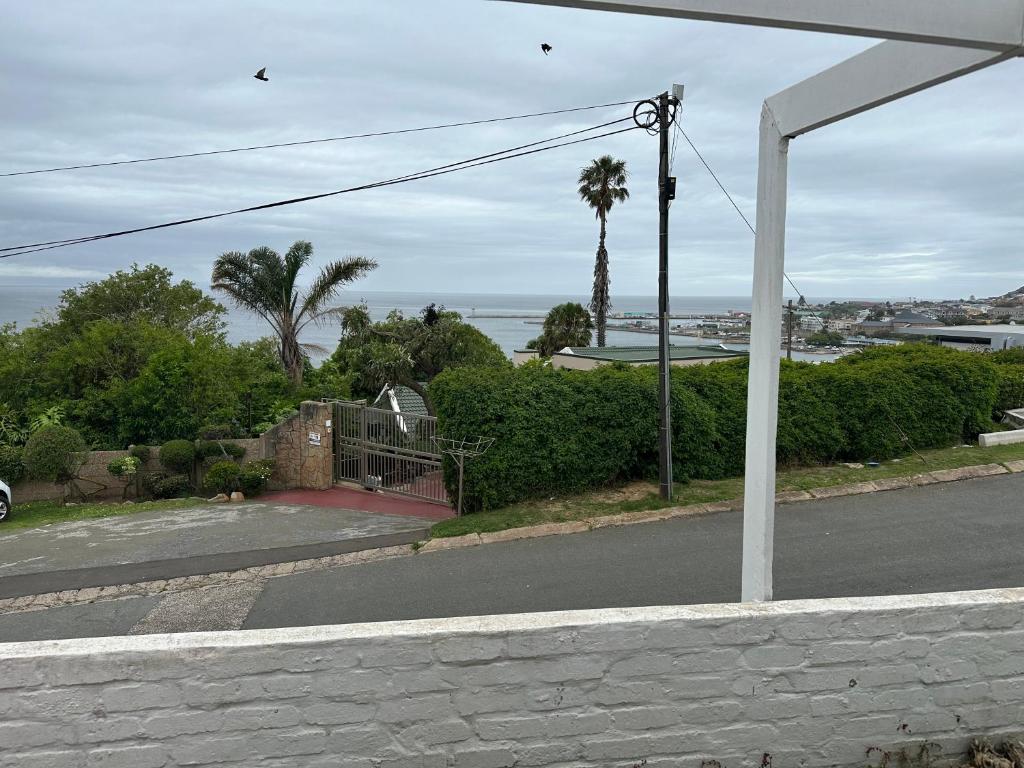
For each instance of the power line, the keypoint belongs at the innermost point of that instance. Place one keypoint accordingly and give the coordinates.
(316, 141)
(721, 186)
(474, 162)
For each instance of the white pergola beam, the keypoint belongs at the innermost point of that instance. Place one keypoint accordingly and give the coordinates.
(884, 73)
(989, 24)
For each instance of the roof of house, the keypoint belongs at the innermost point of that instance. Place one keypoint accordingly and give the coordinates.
(650, 354)
(406, 399)
(906, 316)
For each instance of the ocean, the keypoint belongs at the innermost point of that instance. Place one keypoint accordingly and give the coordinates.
(21, 304)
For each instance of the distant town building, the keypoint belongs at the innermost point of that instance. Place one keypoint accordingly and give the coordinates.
(812, 323)
(909, 319)
(840, 325)
(1007, 313)
(974, 337)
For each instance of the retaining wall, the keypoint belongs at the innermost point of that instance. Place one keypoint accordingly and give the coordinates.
(812, 683)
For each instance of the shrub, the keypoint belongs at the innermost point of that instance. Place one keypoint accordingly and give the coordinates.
(169, 486)
(178, 456)
(140, 452)
(559, 431)
(11, 467)
(254, 476)
(215, 449)
(1010, 380)
(126, 466)
(54, 453)
(222, 477)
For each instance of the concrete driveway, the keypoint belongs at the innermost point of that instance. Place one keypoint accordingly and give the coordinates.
(166, 544)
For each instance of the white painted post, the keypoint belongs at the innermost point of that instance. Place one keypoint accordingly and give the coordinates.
(765, 343)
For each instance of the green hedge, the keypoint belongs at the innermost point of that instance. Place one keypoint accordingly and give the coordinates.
(559, 431)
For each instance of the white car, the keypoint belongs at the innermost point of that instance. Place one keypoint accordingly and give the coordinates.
(5, 501)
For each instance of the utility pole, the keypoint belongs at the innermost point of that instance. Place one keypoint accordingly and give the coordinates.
(655, 116)
(789, 334)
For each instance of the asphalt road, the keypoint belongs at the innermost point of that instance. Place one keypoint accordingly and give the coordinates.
(945, 537)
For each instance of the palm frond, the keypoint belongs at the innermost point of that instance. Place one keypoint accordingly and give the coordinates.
(331, 279)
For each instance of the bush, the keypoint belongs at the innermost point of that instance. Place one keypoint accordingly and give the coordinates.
(55, 454)
(178, 456)
(222, 477)
(1010, 379)
(126, 466)
(253, 477)
(559, 431)
(11, 467)
(169, 486)
(140, 452)
(214, 449)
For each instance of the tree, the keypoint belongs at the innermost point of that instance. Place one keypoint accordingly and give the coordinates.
(825, 339)
(601, 185)
(266, 284)
(141, 293)
(409, 351)
(567, 325)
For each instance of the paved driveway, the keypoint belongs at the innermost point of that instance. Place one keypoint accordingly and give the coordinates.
(164, 544)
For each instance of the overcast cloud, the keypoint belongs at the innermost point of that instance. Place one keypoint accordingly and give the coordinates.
(923, 197)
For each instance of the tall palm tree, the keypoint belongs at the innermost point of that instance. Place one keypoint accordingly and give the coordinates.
(265, 284)
(602, 184)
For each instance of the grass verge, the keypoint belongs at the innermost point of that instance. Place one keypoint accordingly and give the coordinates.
(38, 513)
(643, 496)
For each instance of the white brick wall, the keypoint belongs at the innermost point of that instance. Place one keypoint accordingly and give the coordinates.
(814, 683)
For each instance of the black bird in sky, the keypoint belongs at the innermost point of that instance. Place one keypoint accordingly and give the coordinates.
(546, 48)
(261, 76)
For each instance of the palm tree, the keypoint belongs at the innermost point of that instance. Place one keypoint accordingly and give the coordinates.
(265, 284)
(602, 184)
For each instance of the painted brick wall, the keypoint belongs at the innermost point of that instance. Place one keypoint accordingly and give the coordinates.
(813, 683)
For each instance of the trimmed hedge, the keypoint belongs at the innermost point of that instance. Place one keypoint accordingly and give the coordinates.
(11, 467)
(560, 431)
(178, 456)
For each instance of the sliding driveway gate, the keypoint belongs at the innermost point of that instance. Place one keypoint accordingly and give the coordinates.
(387, 450)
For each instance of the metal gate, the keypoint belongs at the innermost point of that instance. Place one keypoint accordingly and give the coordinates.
(387, 450)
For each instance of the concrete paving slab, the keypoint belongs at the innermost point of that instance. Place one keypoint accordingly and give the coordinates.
(166, 544)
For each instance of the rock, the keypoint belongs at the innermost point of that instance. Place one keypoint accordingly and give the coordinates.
(220, 498)
(853, 465)
(238, 496)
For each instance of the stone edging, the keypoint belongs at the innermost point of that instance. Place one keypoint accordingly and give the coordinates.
(261, 573)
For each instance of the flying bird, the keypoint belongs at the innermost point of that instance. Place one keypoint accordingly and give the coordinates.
(262, 76)
(546, 48)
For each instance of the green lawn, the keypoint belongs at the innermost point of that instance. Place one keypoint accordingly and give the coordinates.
(641, 496)
(39, 513)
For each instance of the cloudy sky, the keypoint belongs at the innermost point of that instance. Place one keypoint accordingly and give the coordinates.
(923, 197)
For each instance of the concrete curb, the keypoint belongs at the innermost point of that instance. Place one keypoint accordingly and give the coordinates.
(261, 573)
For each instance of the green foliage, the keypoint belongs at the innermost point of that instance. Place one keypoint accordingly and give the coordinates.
(126, 466)
(561, 431)
(217, 432)
(169, 486)
(140, 452)
(146, 294)
(254, 476)
(566, 325)
(50, 417)
(11, 467)
(825, 339)
(213, 449)
(137, 359)
(11, 430)
(54, 454)
(222, 477)
(1010, 379)
(178, 456)
(408, 351)
(267, 285)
